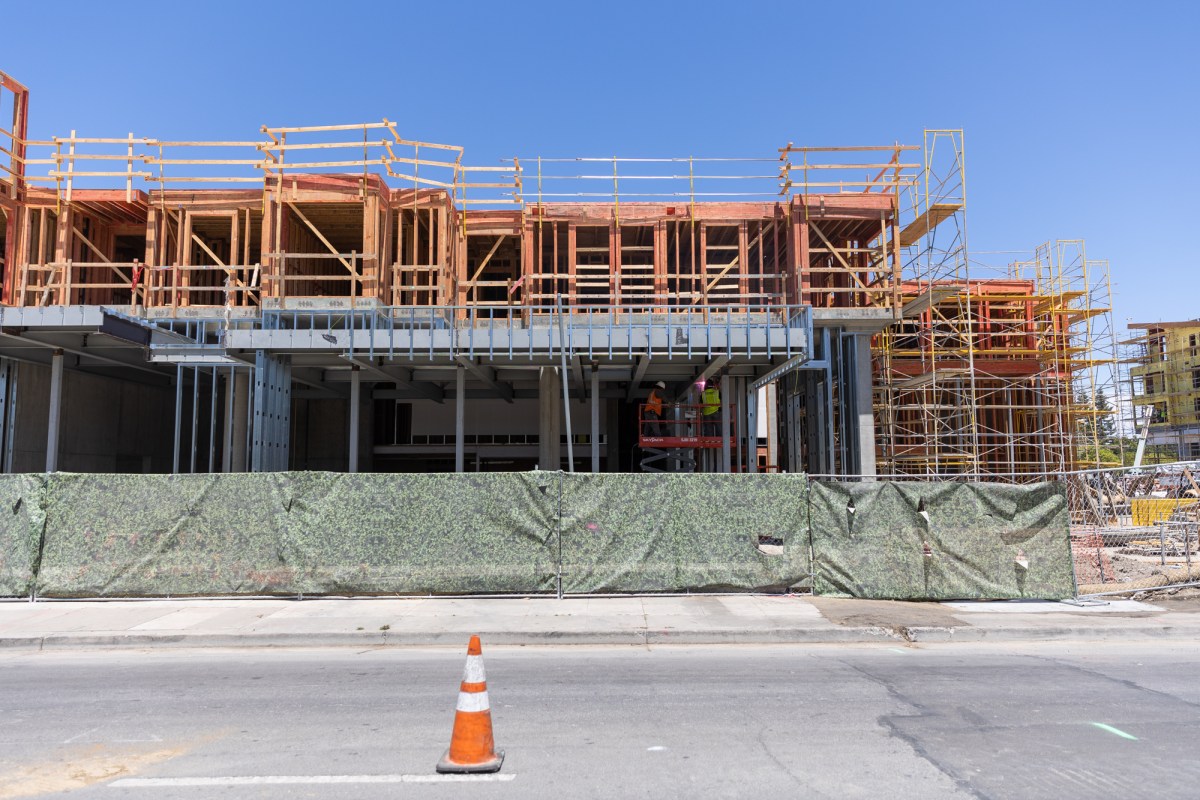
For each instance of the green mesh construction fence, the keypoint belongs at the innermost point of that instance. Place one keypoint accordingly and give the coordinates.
(156, 535)
(654, 533)
(471, 533)
(298, 533)
(22, 518)
(914, 540)
(484, 533)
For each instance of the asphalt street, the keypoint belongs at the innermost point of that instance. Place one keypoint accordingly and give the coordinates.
(1051, 720)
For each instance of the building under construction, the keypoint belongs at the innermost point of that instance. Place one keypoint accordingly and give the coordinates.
(1164, 383)
(345, 297)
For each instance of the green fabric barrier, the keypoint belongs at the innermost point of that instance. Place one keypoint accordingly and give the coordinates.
(22, 519)
(907, 541)
(666, 532)
(333, 533)
(299, 533)
(867, 541)
(471, 533)
(158, 535)
(995, 541)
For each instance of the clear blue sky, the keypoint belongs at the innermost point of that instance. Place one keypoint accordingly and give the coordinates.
(1081, 119)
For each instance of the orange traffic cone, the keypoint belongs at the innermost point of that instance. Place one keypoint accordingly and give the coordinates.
(472, 748)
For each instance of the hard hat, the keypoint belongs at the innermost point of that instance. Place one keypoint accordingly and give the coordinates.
(660, 385)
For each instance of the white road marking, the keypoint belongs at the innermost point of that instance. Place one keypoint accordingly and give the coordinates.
(656, 748)
(257, 780)
(80, 735)
(83, 737)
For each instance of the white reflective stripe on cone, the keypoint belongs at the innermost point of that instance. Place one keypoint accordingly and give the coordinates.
(473, 701)
(473, 671)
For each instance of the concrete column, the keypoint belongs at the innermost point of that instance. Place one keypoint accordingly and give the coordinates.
(863, 404)
(56, 379)
(241, 421)
(355, 404)
(460, 422)
(595, 420)
(549, 420)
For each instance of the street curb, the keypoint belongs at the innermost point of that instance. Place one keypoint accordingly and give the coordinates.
(638, 637)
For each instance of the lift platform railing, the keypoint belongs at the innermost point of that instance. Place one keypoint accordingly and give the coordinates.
(685, 426)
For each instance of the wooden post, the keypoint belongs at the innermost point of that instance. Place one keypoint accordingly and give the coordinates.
(370, 246)
(572, 263)
(660, 263)
(743, 262)
(185, 244)
(615, 263)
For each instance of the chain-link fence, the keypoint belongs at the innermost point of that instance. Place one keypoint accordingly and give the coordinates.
(1135, 529)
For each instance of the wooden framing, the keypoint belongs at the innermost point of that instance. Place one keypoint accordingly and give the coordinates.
(357, 213)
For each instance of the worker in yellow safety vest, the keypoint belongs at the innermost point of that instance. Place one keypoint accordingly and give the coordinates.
(710, 409)
(652, 412)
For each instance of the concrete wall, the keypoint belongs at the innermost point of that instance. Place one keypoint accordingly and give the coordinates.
(107, 425)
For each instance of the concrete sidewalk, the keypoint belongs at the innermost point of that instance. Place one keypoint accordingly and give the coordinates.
(696, 619)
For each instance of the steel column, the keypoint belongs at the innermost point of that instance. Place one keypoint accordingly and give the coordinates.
(460, 399)
(595, 420)
(178, 417)
(56, 379)
(355, 397)
(726, 455)
(751, 401)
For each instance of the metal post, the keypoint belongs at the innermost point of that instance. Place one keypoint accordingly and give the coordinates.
(355, 389)
(595, 420)
(460, 391)
(227, 443)
(10, 413)
(751, 400)
(178, 417)
(195, 418)
(247, 454)
(562, 350)
(738, 426)
(56, 378)
(212, 423)
(830, 440)
(726, 464)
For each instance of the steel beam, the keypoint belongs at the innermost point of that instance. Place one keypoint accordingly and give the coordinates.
(488, 376)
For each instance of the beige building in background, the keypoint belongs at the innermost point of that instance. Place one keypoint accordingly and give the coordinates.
(1166, 378)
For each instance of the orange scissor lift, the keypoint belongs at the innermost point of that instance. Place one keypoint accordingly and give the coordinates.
(669, 444)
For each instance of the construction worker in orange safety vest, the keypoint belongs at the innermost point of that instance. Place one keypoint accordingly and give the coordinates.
(652, 412)
(710, 407)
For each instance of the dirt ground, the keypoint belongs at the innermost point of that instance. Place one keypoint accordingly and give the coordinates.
(1185, 598)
